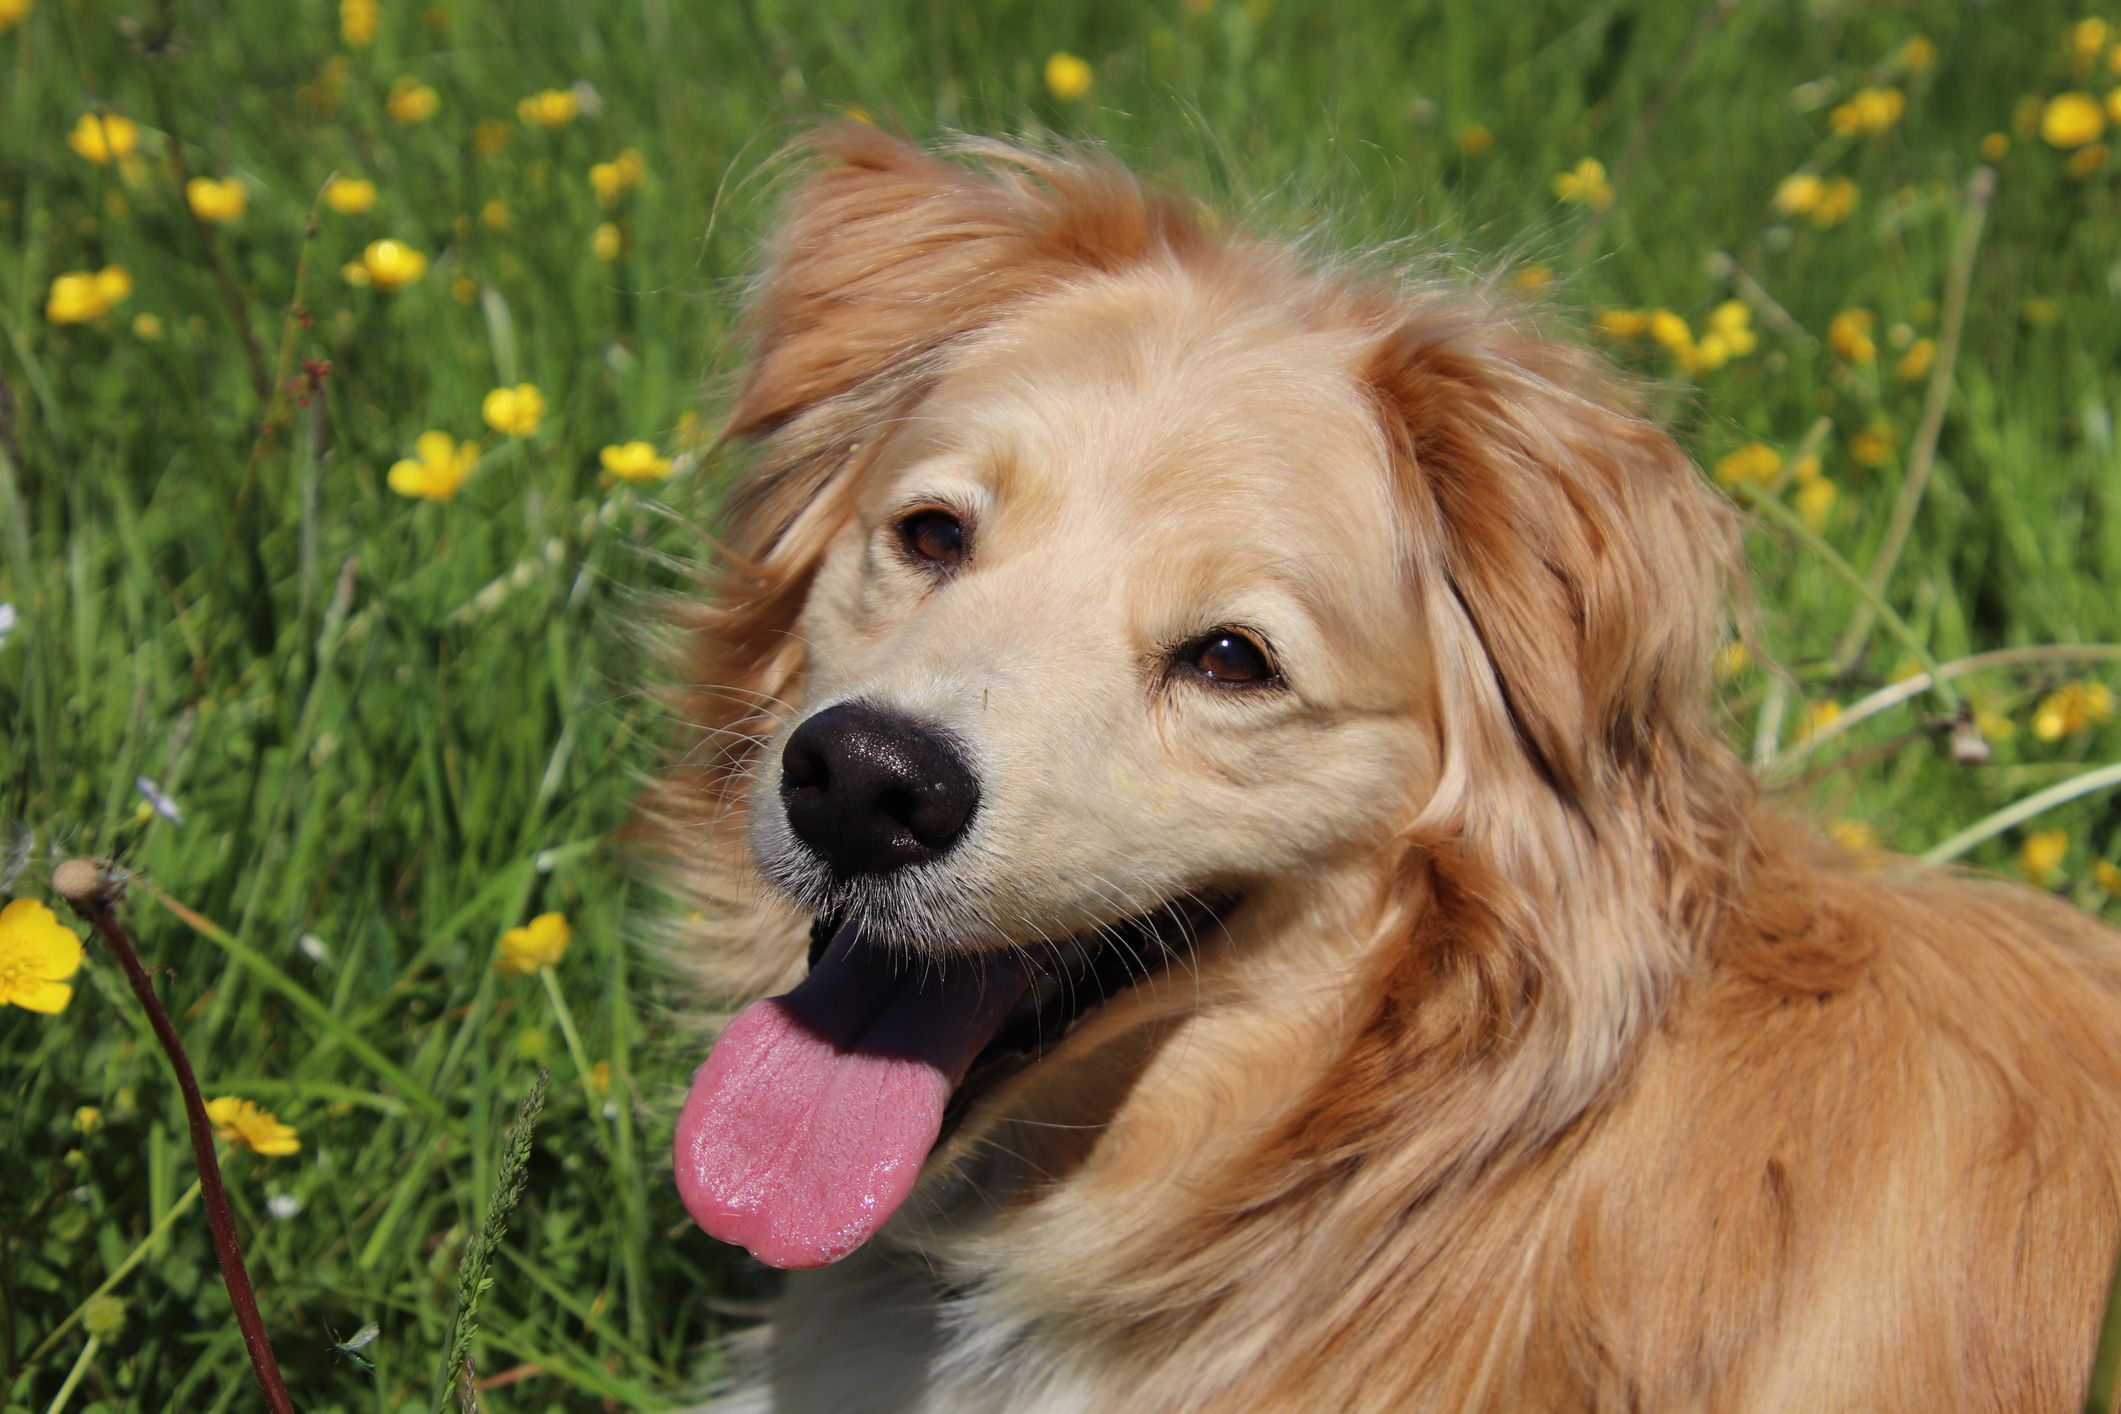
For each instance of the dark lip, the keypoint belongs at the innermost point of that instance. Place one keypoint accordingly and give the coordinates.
(1078, 976)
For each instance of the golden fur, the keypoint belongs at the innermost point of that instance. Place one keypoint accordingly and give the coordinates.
(1542, 1067)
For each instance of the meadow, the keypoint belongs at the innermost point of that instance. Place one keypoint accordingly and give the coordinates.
(360, 367)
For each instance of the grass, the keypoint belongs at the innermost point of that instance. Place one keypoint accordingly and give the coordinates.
(397, 728)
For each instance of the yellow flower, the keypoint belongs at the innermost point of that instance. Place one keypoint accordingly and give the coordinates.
(1918, 54)
(1756, 462)
(2113, 99)
(1995, 146)
(612, 180)
(1731, 660)
(1585, 183)
(489, 137)
(1872, 447)
(495, 214)
(1815, 502)
(1624, 323)
(14, 12)
(388, 265)
(1870, 110)
(2086, 160)
(2042, 854)
(441, 466)
(1670, 330)
(357, 22)
(553, 108)
(411, 101)
(102, 136)
(1850, 336)
(606, 242)
(1805, 469)
(1534, 276)
(463, 289)
(2076, 706)
(2071, 120)
(81, 295)
(255, 1128)
(2107, 876)
(1836, 200)
(1818, 717)
(634, 461)
(1799, 194)
(87, 1119)
(513, 412)
(217, 201)
(1710, 354)
(534, 946)
(1915, 363)
(1731, 315)
(1732, 321)
(350, 196)
(37, 955)
(1853, 836)
(1067, 77)
(146, 328)
(2086, 38)
(1475, 140)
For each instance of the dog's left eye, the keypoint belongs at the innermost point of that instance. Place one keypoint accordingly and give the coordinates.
(1231, 657)
(933, 537)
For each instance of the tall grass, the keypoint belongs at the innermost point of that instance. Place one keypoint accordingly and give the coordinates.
(397, 728)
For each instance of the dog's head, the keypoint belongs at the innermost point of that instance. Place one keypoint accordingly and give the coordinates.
(1111, 583)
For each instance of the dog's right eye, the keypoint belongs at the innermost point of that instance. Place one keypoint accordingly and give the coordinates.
(1231, 657)
(933, 538)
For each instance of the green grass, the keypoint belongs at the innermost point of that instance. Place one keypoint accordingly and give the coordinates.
(373, 753)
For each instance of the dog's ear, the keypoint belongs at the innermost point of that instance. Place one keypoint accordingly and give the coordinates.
(886, 255)
(885, 258)
(1578, 543)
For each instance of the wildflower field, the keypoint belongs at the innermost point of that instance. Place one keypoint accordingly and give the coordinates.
(357, 374)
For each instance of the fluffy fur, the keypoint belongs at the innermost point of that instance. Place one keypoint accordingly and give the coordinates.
(1541, 1067)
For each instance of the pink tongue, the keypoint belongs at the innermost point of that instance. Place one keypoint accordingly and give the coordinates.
(810, 1120)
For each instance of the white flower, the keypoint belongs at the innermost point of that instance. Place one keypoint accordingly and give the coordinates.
(161, 804)
(283, 1205)
(7, 622)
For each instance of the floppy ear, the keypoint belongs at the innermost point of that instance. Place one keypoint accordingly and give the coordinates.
(1579, 543)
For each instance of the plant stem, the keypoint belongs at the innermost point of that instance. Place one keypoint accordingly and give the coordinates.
(89, 888)
(1790, 521)
(1980, 189)
(73, 1376)
(1893, 694)
(2017, 813)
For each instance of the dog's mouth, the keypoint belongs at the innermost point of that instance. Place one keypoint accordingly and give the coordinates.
(808, 1124)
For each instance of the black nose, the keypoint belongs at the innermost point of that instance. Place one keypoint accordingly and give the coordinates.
(871, 791)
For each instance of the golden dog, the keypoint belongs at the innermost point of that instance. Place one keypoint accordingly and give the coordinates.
(1284, 931)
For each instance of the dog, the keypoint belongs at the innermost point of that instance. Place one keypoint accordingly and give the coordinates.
(1216, 757)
